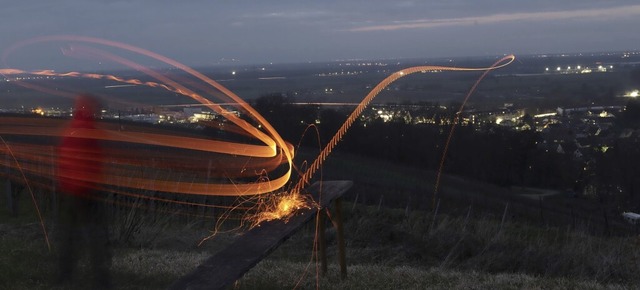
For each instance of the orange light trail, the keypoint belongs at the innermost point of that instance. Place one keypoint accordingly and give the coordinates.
(274, 146)
(496, 65)
(236, 164)
(304, 180)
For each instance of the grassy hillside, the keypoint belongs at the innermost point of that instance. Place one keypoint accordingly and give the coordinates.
(399, 243)
(385, 250)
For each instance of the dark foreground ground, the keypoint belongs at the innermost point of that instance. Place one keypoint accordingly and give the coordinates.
(465, 245)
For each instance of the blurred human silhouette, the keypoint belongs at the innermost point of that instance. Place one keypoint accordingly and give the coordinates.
(82, 220)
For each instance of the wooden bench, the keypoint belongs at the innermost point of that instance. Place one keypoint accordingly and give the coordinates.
(225, 267)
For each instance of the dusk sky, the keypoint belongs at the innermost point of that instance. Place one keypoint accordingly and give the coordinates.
(203, 32)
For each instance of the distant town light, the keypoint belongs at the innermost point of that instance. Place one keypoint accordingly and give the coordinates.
(544, 115)
(632, 94)
(558, 68)
(233, 73)
(38, 111)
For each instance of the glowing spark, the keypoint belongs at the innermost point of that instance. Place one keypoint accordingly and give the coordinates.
(280, 207)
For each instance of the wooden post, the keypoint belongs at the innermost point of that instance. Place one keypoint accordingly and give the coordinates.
(466, 219)
(435, 214)
(340, 235)
(541, 213)
(55, 202)
(607, 232)
(7, 190)
(406, 209)
(355, 201)
(504, 216)
(7, 187)
(205, 198)
(322, 242)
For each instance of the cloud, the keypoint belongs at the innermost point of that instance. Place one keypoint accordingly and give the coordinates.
(591, 14)
(288, 15)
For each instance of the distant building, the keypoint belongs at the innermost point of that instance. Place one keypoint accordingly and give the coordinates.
(600, 111)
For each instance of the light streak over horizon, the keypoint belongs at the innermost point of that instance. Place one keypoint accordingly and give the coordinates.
(237, 162)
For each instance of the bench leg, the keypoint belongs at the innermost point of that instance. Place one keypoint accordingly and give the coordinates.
(340, 236)
(322, 242)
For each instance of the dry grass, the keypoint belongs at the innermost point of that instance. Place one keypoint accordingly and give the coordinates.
(486, 244)
(387, 249)
(286, 275)
(25, 263)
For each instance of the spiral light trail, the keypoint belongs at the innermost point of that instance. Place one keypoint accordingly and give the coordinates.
(213, 167)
